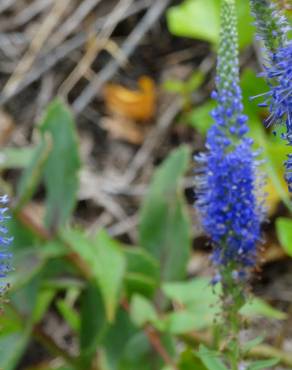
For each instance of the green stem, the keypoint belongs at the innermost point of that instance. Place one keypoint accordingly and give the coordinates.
(232, 301)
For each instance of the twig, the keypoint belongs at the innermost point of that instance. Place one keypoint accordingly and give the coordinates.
(48, 61)
(127, 48)
(72, 22)
(36, 44)
(153, 139)
(95, 45)
(29, 12)
(6, 4)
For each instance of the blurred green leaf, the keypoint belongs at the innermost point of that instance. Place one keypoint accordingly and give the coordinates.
(201, 302)
(142, 272)
(189, 361)
(251, 344)
(44, 298)
(210, 359)
(284, 233)
(164, 222)
(200, 19)
(93, 324)
(33, 172)
(14, 158)
(12, 347)
(116, 339)
(183, 321)
(263, 364)
(200, 118)
(61, 169)
(191, 291)
(258, 307)
(69, 314)
(142, 311)
(106, 260)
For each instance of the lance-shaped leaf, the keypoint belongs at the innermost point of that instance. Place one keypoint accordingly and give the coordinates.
(164, 222)
(61, 169)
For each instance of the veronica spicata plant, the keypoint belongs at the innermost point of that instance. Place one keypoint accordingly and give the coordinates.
(5, 242)
(273, 28)
(230, 211)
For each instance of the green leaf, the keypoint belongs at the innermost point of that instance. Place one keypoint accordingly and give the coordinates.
(251, 344)
(164, 229)
(93, 324)
(263, 364)
(194, 291)
(183, 322)
(14, 158)
(61, 169)
(44, 299)
(142, 311)
(69, 314)
(258, 307)
(33, 173)
(189, 361)
(110, 270)
(284, 233)
(210, 359)
(12, 347)
(116, 339)
(198, 19)
(200, 117)
(142, 274)
(200, 301)
(106, 261)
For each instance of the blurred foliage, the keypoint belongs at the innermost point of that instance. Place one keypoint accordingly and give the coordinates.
(128, 307)
(108, 293)
(200, 19)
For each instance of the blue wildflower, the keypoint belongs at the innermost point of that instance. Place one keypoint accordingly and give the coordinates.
(226, 189)
(273, 28)
(5, 241)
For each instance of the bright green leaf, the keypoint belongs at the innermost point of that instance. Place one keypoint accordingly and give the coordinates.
(142, 311)
(198, 19)
(284, 232)
(69, 314)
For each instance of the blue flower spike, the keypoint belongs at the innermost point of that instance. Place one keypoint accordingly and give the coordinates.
(5, 242)
(230, 211)
(273, 29)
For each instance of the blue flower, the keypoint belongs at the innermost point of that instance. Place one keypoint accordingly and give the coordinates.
(5, 241)
(273, 28)
(226, 178)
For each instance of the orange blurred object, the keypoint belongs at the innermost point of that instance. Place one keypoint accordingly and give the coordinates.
(138, 105)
